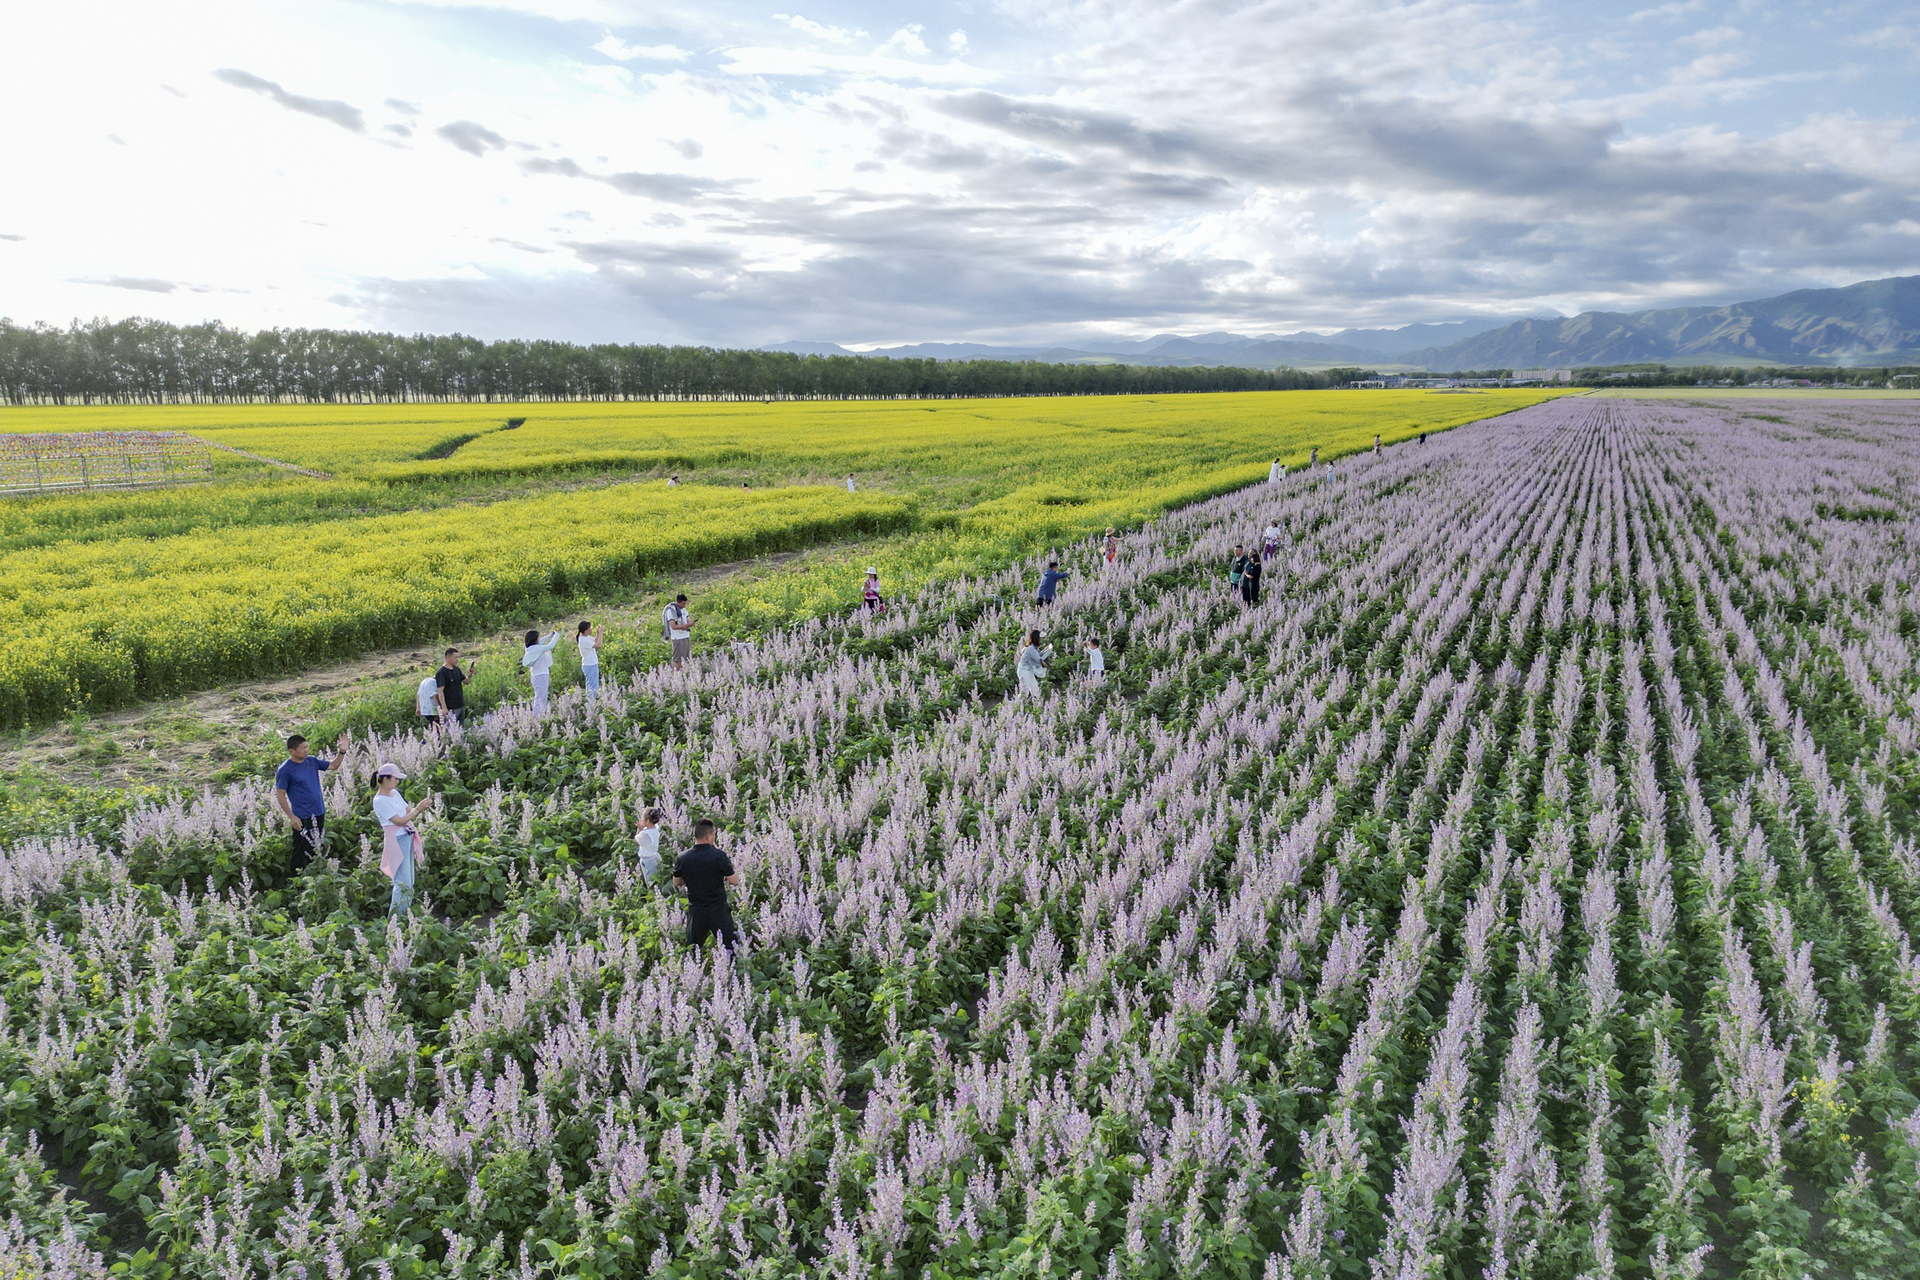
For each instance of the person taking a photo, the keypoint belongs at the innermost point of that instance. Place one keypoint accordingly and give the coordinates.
(299, 797)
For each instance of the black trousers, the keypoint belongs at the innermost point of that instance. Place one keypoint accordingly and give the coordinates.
(705, 921)
(305, 845)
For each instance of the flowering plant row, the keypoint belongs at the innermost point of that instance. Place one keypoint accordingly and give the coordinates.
(1525, 886)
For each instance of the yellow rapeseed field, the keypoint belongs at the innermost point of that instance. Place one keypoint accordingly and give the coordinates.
(109, 597)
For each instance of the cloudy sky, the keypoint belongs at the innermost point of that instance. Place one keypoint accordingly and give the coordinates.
(737, 173)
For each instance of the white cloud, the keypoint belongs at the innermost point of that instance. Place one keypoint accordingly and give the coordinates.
(819, 31)
(614, 47)
(957, 41)
(906, 40)
(766, 61)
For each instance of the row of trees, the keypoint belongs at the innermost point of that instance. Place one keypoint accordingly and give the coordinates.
(150, 362)
(1660, 375)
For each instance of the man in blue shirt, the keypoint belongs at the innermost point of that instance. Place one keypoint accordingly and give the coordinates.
(297, 794)
(1050, 581)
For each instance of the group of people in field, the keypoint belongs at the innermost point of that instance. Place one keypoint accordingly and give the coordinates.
(703, 870)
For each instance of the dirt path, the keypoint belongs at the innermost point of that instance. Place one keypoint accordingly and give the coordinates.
(194, 738)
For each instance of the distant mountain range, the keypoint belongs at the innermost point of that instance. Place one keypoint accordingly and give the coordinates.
(1875, 322)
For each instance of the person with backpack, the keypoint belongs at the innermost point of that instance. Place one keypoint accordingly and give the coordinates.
(538, 661)
(676, 628)
(705, 871)
(588, 638)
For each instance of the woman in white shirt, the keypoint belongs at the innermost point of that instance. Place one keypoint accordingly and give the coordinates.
(647, 841)
(538, 660)
(590, 658)
(1032, 665)
(1270, 541)
(400, 851)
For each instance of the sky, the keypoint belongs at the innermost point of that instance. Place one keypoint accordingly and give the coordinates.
(739, 174)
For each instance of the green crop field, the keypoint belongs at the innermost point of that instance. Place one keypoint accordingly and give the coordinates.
(107, 598)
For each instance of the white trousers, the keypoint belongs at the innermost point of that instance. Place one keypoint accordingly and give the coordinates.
(540, 692)
(1029, 683)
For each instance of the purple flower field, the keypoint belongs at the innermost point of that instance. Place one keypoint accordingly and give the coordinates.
(1525, 887)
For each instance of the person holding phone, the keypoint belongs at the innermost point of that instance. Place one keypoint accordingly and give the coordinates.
(400, 853)
(538, 660)
(676, 628)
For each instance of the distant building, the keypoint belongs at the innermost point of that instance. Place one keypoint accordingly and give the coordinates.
(1370, 382)
(1542, 375)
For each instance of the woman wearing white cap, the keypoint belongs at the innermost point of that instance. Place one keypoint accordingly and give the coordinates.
(401, 842)
(870, 593)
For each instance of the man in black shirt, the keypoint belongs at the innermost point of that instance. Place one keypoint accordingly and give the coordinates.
(705, 872)
(453, 686)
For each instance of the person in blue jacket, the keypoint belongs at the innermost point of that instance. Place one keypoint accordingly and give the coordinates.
(1050, 581)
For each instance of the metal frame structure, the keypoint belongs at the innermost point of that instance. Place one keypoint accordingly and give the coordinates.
(63, 462)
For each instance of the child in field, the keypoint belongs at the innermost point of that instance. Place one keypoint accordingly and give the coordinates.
(426, 701)
(589, 641)
(647, 841)
(1112, 549)
(538, 660)
(1096, 657)
(1032, 665)
(401, 851)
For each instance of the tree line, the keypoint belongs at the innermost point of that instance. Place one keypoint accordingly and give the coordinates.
(140, 361)
(1660, 375)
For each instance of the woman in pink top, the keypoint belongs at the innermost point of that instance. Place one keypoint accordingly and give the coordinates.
(400, 841)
